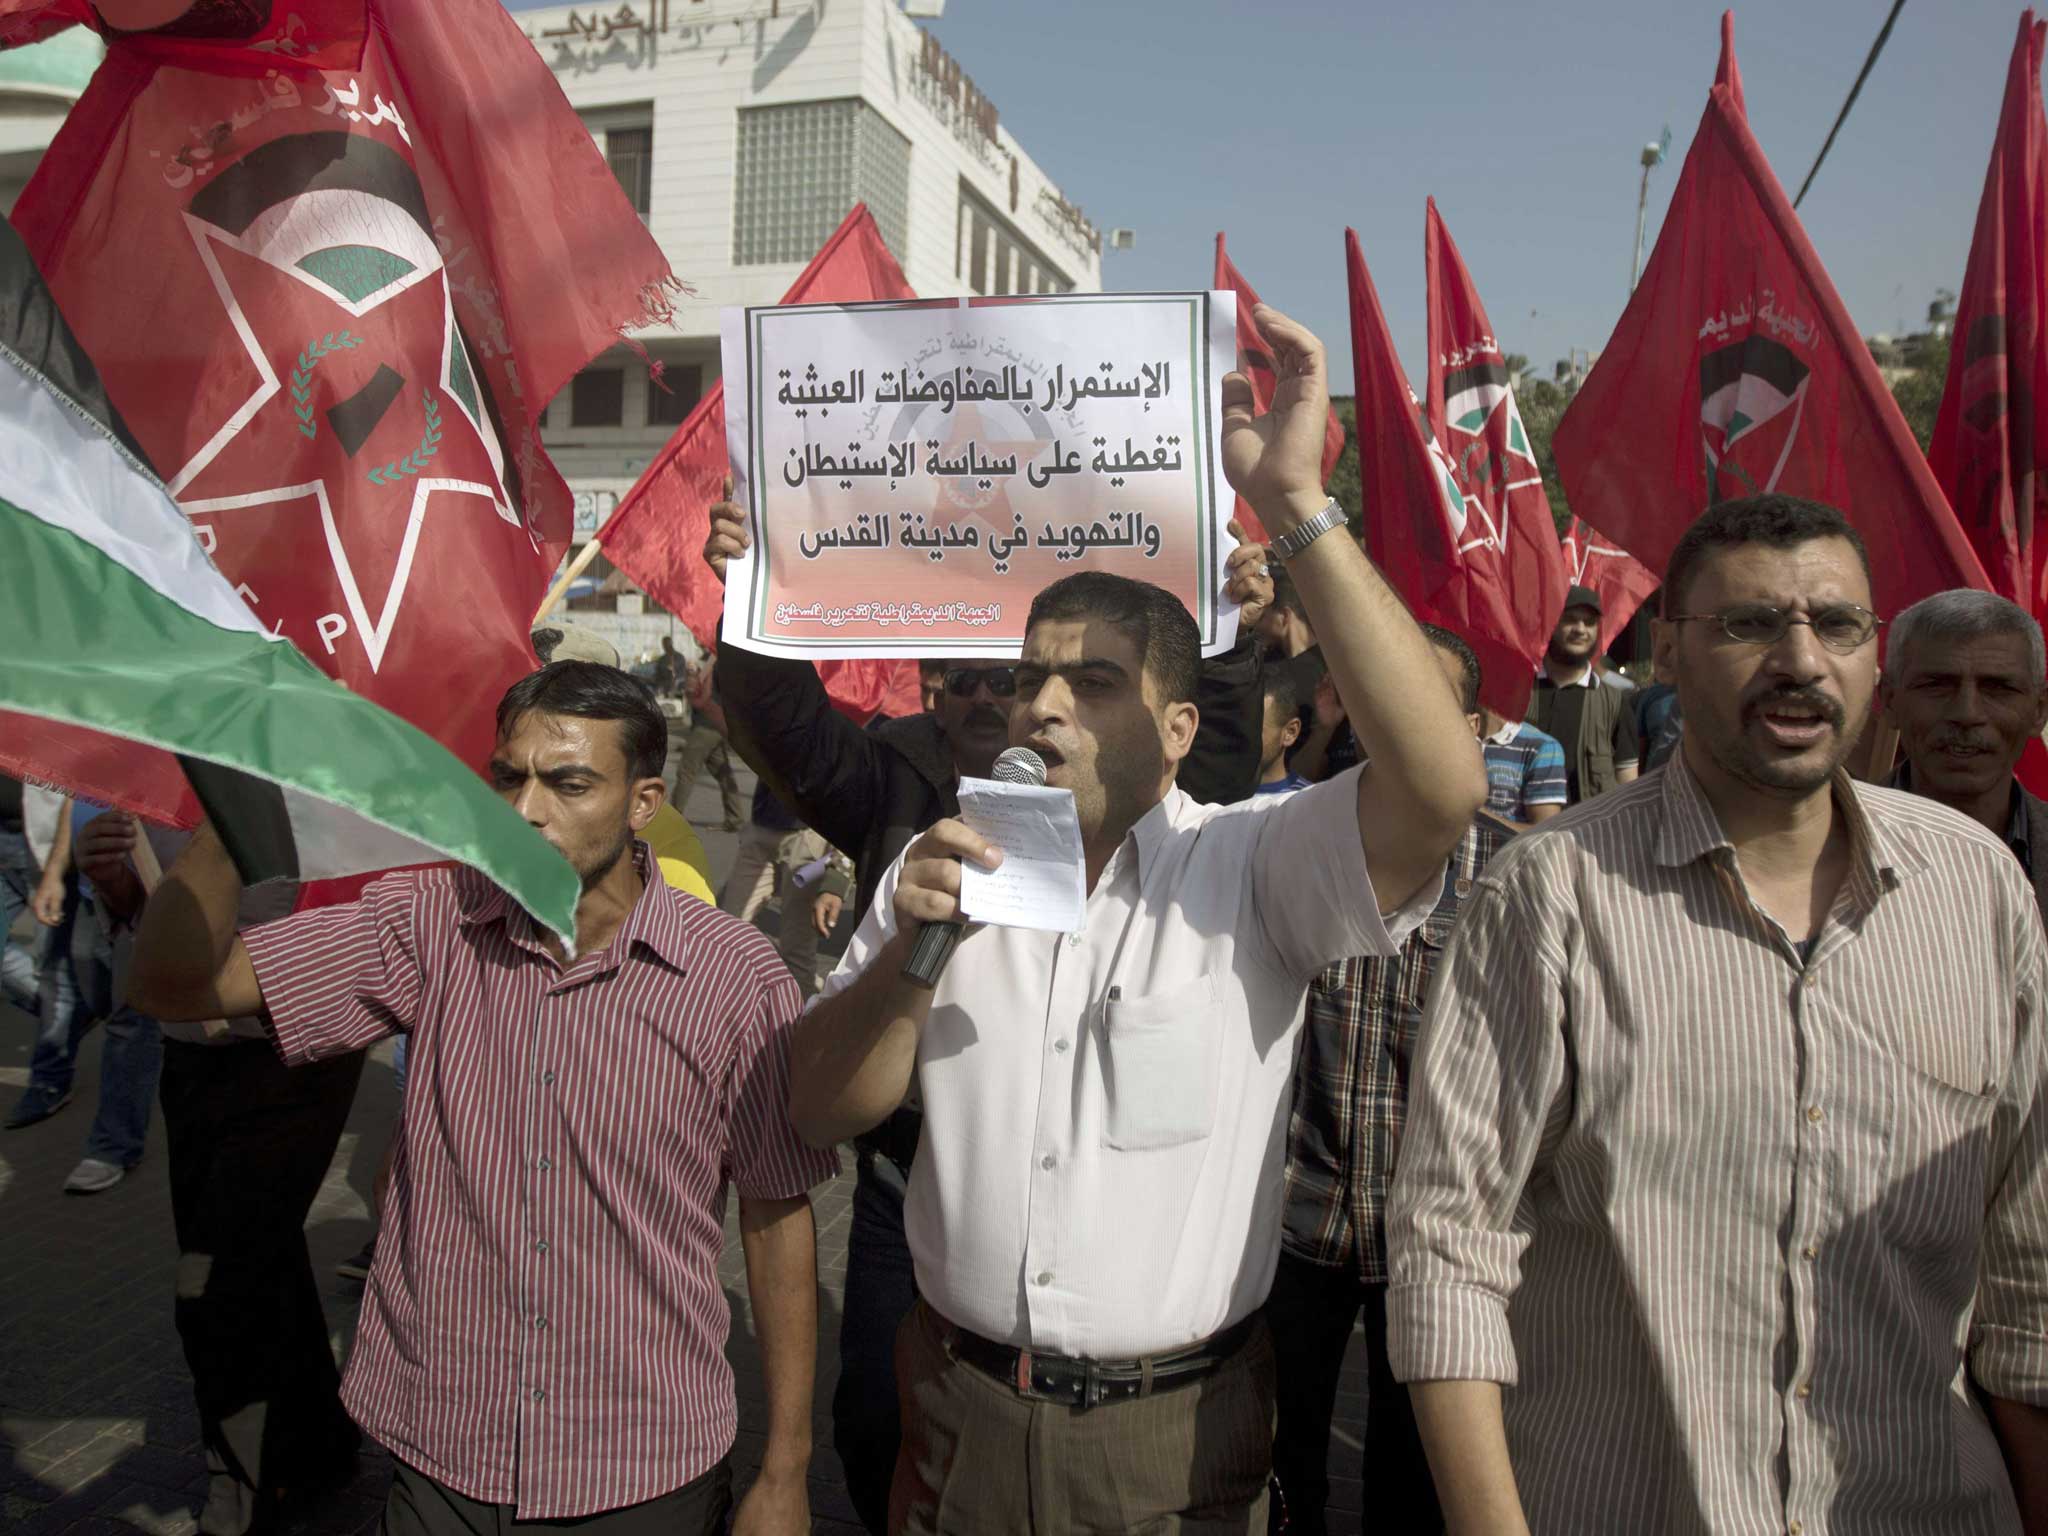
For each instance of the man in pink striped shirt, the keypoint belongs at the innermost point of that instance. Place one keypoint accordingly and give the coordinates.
(542, 1334)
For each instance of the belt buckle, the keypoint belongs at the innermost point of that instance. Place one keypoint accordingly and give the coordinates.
(1093, 1393)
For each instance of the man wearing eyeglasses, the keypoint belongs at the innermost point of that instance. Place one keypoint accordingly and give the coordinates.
(1728, 1147)
(871, 792)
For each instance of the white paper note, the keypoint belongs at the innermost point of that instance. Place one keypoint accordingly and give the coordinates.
(1041, 883)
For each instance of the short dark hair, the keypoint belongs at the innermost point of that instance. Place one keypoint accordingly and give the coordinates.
(589, 690)
(1280, 685)
(1287, 595)
(1150, 616)
(930, 666)
(1778, 522)
(1468, 659)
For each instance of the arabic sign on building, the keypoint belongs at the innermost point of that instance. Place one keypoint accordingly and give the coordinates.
(916, 473)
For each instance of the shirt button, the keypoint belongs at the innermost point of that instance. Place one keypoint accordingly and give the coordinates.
(1060, 1046)
(541, 1323)
(1044, 1277)
(547, 1076)
(541, 1246)
(1047, 1161)
(1805, 1390)
(545, 1165)
(1073, 941)
(1461, 887)
(1809, 1253)
(1813, 1113)
(539, 1396)
(1794, 1529)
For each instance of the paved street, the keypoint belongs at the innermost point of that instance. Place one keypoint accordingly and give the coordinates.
(98, 1434)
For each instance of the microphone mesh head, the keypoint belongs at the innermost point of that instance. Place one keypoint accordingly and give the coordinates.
(1018, 765)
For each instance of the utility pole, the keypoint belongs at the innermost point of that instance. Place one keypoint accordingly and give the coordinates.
(1652, 157)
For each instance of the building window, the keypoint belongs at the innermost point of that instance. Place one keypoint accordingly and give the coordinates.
(801, 167)
(597, 398)
(999, 258)
(669, 407)
(626, 135)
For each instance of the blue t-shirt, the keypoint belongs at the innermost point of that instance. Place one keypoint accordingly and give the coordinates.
(1525, 771)
(1293, 781)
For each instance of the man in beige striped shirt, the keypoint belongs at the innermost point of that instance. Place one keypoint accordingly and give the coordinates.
(1724, 1201)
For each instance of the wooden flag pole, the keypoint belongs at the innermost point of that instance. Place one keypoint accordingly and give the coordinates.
(577, 567)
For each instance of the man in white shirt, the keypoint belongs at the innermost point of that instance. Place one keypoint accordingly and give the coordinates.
(1094, 1214)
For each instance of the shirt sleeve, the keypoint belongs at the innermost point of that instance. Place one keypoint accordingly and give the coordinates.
(1488, 1090)
(1311, 895)
(765, 1158)
(1545, 782)
(1626, 748)
(339, 979)
(2009, 1328)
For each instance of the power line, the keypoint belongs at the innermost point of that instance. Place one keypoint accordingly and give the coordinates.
(1841, 117)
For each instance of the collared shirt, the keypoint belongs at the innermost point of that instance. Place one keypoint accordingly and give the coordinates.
(1105, 1110)
(544, 1325)
(2019, 835)
(1524, 768)
(1729, 1221)
(1351, 1079)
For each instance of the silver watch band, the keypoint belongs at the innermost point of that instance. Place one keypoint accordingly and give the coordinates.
(1303, 534)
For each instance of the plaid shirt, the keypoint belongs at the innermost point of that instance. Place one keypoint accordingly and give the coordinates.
(1351, 1080)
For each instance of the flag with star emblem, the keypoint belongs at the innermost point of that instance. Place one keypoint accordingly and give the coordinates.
(1735, 370)
(1624, 583)
(1418, 528)
(1994, 405)
(113, 620)
(1510, 539)
(332, 283)
(656, 535)
(1255, 362)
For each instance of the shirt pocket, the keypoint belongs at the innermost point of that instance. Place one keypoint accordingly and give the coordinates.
(1160, 1052)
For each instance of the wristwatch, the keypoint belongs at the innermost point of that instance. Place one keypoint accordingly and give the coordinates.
(1303, 534)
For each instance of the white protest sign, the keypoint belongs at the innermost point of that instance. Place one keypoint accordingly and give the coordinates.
(915, 473)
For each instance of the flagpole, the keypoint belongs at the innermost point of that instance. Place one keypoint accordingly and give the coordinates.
(577, 567)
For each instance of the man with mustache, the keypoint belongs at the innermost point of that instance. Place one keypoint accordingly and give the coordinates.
(542, 1338)
(1094, 1215)
(1728, 1137)
(1966, 686)
(870, 792)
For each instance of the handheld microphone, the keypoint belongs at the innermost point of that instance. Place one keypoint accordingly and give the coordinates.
(935, 941)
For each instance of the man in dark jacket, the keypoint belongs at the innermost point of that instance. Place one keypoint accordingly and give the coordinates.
(870, 792)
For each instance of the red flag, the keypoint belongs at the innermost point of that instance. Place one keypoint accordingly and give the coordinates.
(1509, 538)
(332, 311)
(1994, 407)
(1255, 362)
(657, 534)
(1417, 527)
(1735, 370)
(1623, 582)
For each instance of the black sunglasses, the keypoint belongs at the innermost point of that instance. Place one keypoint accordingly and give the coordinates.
(962, 681)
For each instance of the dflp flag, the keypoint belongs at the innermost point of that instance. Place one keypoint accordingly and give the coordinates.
(1509, 539)
(116, 626)
(1993, 420)
(1255, 362)
(1735, 370)
(657, 534)
(1623, 582)
(1417, 526)
(332, 282)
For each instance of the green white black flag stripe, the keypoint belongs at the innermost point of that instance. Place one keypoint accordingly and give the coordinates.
(112, 617)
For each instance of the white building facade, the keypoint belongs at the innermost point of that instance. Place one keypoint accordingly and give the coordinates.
(743, 131)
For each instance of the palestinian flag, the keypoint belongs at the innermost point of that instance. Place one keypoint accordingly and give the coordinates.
(113, 618)
(1752, 395)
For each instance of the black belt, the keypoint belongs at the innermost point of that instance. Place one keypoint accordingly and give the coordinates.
(895, 1138)
(1085, 1383)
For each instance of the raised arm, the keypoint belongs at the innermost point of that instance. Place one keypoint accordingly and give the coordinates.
(189, 963)
(1424, 778)
(777, 716)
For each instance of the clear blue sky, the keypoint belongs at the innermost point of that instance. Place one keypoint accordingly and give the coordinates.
(1282, 121)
